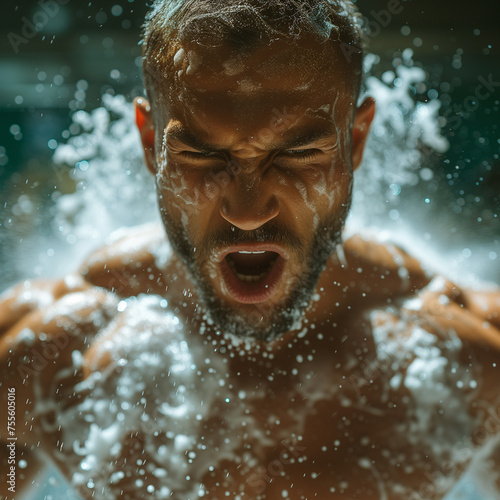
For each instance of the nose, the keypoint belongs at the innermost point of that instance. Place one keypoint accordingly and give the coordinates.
(248, 205)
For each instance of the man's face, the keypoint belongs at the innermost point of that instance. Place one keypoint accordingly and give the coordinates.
(254, 174)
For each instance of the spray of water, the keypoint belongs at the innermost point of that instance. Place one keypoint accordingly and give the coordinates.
(113, 191)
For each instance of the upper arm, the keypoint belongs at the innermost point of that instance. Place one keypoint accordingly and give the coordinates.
(473, 316)
(16, 305)
(443, 308)
(484, 305)
(37, 343)
(133, 264)
(23, 298)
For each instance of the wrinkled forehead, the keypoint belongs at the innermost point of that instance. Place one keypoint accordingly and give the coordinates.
(281, 64)
(232, 84)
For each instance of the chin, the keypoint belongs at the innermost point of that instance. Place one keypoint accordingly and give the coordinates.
(266, 321)
(253, 325)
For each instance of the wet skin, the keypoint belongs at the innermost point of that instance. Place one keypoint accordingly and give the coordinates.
(327, 352)
(266, 154)
(362, 289)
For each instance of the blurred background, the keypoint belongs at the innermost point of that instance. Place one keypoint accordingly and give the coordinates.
(85, 49)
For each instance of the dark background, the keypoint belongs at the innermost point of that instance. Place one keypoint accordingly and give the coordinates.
(89, 48)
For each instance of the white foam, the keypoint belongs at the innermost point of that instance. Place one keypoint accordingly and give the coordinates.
(164, 391)
(430, 369)
(26, 336)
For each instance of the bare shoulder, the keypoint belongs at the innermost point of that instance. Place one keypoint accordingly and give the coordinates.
(384, 254)
(47, 327)
(484, 304)
(141, 250)
(381, 267)
(31, 295)
(134, 262)
(387, 270)
(472, 314)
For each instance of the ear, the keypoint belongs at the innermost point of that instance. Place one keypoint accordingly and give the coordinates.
(362, 123)
(144, 121)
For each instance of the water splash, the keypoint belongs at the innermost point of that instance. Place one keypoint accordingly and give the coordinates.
(113, 188)
(396, 189)
(404, 131)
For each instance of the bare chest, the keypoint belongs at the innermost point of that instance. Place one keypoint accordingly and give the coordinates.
(330, 413)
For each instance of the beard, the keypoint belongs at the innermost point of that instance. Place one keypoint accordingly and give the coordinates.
(268, 320)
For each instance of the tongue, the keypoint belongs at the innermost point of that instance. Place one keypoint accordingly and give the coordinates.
(252, 264)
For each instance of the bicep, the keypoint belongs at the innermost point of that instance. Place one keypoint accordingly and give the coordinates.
(39, 349)
(22, 299)
(33, 295)
(485, 305)
(444, 307)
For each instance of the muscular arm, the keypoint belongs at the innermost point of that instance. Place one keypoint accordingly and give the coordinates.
(24, 298)
(485, 305)
(44, 323)
(474, 317)
(41, 324)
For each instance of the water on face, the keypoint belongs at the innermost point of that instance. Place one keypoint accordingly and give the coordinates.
(113, 191)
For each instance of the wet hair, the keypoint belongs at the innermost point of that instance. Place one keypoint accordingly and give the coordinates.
(245, 25)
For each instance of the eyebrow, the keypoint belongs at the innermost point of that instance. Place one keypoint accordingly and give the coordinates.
(305, 137)
(179, 133)
(295, 140)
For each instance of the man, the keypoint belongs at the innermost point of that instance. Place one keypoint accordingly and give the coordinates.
(263, 357)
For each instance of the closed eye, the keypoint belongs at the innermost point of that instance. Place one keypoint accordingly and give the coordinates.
(301, 154)
(199, 155)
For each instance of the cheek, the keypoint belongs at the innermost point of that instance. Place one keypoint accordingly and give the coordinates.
(190, 197)
(209, 188)
(336, 182)
(179, 190)
(317, 191)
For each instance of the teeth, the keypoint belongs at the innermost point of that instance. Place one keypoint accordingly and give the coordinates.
(252, 253)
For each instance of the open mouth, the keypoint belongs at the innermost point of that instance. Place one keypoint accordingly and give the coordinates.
(252, 273)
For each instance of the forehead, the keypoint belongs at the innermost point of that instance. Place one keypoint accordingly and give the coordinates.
(280, 65)
(239, 88)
